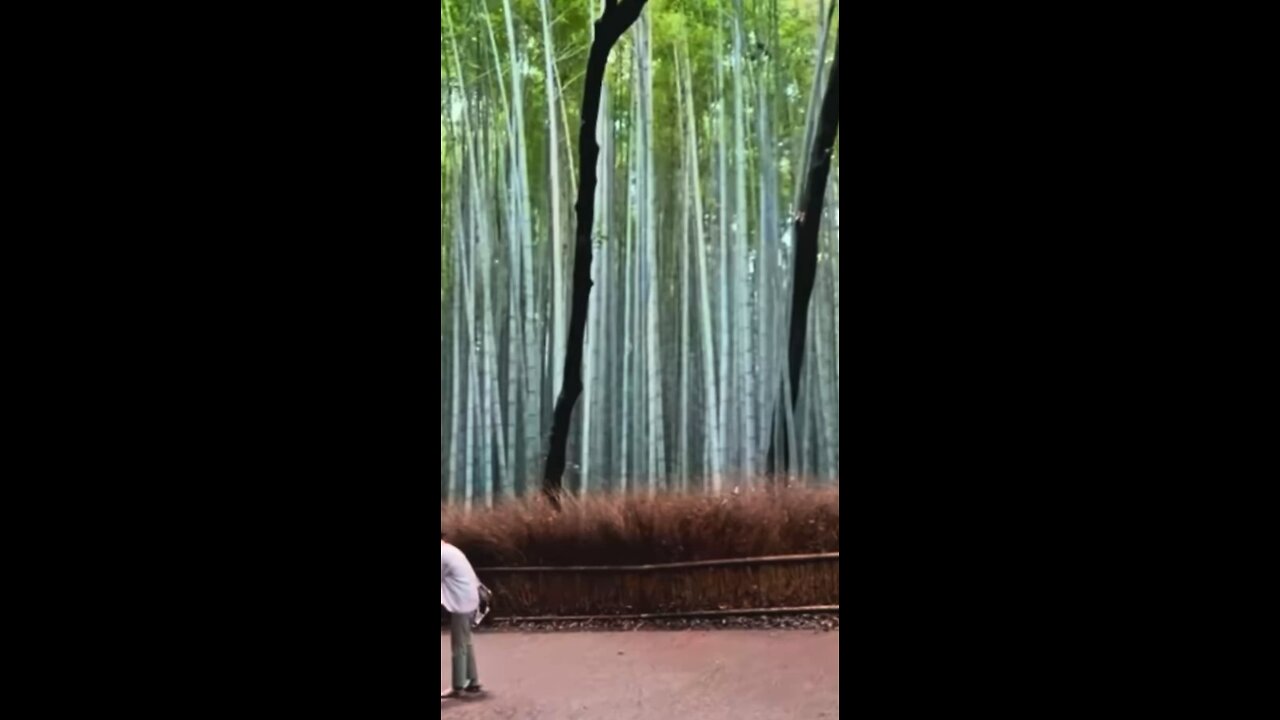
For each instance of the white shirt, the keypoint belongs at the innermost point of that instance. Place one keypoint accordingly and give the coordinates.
(459, 586)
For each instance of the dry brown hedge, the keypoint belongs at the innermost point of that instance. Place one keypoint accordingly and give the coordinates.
(663, 529)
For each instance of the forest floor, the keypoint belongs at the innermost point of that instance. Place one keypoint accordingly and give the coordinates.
(708, 675)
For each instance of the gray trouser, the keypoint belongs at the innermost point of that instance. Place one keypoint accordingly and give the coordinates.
(464, 656)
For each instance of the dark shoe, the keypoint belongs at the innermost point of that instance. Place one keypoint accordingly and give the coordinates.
(473, 689)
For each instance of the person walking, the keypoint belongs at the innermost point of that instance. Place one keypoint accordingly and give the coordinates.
(460, 596)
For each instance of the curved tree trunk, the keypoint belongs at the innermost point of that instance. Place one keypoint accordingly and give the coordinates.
(807, 222)
(618, 16)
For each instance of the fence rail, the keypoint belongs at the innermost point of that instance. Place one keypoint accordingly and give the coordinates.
(731, 562)
(807, 610)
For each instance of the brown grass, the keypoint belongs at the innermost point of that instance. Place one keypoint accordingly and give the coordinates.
(665, 529)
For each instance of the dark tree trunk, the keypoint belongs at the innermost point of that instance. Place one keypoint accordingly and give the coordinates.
(807, 222)
(618, 16)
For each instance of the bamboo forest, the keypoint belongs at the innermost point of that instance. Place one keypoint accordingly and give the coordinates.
(708, 116)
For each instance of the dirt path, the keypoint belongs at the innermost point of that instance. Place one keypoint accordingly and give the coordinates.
(695, 675)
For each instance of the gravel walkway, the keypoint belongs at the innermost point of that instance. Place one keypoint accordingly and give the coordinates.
(824, 622)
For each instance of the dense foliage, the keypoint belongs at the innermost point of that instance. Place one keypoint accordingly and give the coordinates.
(708, 109)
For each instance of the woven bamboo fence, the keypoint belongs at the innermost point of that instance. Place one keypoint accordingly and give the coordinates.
(787, 583)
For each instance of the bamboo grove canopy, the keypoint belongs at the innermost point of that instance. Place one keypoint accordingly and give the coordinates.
(706, 117)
